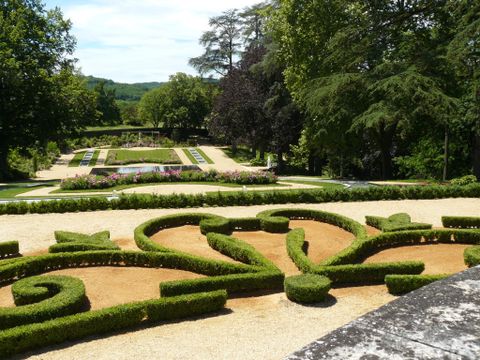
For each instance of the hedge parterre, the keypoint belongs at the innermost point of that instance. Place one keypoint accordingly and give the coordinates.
(53, 309)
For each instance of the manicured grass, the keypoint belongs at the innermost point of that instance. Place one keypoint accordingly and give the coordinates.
(325, 185)
(123, 187)
(116, 127)
(244, 154)
(11, 190)
(160, 156)
(75, 162)
(190, 156)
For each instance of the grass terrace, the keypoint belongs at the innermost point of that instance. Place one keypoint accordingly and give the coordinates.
(157, 156)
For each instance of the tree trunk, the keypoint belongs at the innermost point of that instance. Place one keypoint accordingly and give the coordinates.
(311, 165)
(254, 152)
(3, 164)
(262, 152)
(280, 163)
(386, 163)
(234, 148)
(476, 155)
(445, 156)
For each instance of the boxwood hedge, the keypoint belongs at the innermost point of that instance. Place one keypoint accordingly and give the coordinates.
(402, 284)
(461, 222)
(307, 288)
(9, 249)
(395, 222)
(313, 196)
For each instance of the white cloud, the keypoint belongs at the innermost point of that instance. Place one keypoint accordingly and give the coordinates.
(141, 40)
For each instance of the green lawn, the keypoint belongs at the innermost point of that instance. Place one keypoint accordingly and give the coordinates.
(123, 187)
(244, 154)
(160, 156)
(115, 127)
(201, 152)
(9, 191)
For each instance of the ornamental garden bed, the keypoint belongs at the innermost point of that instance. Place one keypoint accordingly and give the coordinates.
(157, 156)
(189, 279)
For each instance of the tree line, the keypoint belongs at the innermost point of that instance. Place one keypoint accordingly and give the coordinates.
(359, 88)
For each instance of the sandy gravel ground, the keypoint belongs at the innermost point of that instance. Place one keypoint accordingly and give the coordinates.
(221, 162)
(184, 158)
(35, 231)
(255, 327)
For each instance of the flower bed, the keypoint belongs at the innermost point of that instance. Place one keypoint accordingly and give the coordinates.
(85, 182)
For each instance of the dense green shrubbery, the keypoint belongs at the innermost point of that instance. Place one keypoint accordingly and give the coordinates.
(218, 225)
(402, 284)
(471, 256)
(395, 222)
(8, 249)
(242, 198)
(262, 280)
(307, 288)
(464, 180)
(461, 222)
(26, 337)
(245, 224)
(70, 241)
(43, 298)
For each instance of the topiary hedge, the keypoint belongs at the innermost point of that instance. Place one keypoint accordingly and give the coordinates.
(461, 222)
(9, 249)
(41, 298)
(307, 288)
(471, 256)
(71, 241)
(73, 327)
(402, 284)
(395, 222)
(313, 196)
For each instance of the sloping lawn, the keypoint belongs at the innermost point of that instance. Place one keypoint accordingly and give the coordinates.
(159, 156)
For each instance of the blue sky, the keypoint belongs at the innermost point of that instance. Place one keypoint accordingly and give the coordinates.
(140, 40)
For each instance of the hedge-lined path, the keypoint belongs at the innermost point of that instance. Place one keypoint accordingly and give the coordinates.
(60, 169)
(164, 189)
(438, 258)
(35, 231)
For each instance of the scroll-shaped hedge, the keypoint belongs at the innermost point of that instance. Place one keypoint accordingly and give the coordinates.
(72, 327)
(41, 298)
(307, 288)
(471, 256)
(71, 242)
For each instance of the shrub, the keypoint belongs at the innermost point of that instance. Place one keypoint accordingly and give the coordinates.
(245, 224)
(43, 298)
(312, 196)
(402, 284)
(8, 249)
(307, 288)
(471, 256)
(216, 224)
(464, 180)
(70, 242)
(26, 337)
(264, 280)
(462, 222)
(395, 222)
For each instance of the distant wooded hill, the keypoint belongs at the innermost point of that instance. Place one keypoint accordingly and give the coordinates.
(127, 92)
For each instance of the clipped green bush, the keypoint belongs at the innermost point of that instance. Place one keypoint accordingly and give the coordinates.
(78, 326)
(9, 249)
(464, 180)
(245, 224)
(277, 224)
(312, 196)
(216, 225)
(295, 243)
(471, 256)
(307, 288)
(41, 298)
(264, 280)
(71, 242)
(395, 222)
(402, 284)
(461, 222)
